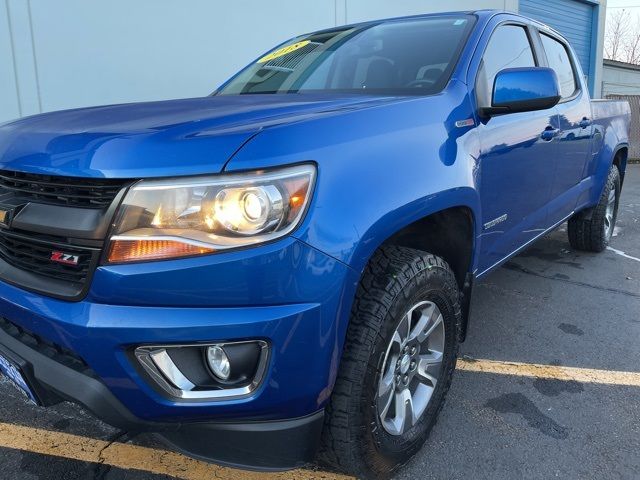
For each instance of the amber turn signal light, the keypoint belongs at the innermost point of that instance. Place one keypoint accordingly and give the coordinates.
(148, 249)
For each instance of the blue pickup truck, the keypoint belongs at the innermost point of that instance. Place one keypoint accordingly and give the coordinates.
(281, 271)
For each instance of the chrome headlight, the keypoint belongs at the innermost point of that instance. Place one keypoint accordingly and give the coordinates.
(169, 218)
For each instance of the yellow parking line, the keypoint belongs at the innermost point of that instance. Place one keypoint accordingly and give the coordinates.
(552, 372)
(132, 457)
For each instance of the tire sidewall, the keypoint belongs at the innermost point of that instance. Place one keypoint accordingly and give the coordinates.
(586, 229)
(432, 285)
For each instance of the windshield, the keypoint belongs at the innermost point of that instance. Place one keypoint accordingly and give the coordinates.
(403, 57)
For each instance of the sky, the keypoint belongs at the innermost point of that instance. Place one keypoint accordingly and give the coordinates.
(633, 5)
(632, 11)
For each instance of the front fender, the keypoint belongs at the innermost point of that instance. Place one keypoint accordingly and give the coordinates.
(379, 169)
(394, 221)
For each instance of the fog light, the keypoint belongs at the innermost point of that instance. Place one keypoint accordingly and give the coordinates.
(218, 362)
(204, 372)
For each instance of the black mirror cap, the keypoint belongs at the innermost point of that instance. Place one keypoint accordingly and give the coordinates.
(523, 90)
(522, 106)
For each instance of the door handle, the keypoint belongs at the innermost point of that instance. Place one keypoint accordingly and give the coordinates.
(549, 133)
(585, 122)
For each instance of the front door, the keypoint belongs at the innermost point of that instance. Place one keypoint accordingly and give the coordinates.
(517, 159)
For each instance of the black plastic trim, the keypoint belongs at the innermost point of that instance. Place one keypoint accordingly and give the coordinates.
(62, 221)
(261, 446)
(81, 192)
(34, 282)
(64, 228)
(46, 374)
(465, 298)
(39, 284)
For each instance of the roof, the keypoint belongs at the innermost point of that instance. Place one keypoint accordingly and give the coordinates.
(618, 64)
(480, 13)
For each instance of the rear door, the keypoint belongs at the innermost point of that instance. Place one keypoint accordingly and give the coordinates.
(517, 158)
(574, 138)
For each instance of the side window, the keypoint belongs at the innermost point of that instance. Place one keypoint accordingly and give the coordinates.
(558, 59)
(509, 47)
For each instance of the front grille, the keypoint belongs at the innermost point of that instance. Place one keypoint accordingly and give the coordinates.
(68, 191)
(53, 230)
(34, 255)
(49, 349)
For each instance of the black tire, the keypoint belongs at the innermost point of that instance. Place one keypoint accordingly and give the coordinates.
(354, 440)
(587, 229)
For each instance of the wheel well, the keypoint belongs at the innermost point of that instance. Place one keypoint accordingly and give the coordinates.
(447, 234)
(620, 161)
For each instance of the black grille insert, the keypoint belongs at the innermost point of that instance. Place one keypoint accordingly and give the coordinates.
(35, 256)
(69, 191)
(52, 350)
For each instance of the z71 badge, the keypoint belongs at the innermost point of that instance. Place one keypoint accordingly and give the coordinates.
(66, 258)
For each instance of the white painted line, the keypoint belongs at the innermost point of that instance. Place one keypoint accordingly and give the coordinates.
(622, 254)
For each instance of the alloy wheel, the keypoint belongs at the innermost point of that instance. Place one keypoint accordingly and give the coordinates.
(609, 214)
(411, 368)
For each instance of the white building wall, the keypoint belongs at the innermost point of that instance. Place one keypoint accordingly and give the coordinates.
(70, 53)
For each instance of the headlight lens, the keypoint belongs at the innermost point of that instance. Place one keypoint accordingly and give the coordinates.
(162, 219)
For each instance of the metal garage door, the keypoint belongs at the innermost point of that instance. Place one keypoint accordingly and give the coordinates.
(572, 18)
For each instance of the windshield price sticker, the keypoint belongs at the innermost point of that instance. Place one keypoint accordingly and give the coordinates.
(284, 51)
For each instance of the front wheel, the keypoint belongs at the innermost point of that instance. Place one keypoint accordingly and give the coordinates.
(398, 360)
(591, 229)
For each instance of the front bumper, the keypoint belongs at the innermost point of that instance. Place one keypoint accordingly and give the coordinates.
(257, 445)
(298, 307)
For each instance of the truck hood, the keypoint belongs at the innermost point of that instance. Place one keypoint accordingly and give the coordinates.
(155, 139)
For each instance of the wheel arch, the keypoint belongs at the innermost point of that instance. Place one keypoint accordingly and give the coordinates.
(447, 233)
(620, 157)
(609, 156)
(423, 224)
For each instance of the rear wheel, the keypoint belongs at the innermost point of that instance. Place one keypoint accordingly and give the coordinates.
(398, 360)
(592, 229)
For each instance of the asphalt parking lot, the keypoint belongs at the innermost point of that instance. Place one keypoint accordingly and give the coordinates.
(549, 306)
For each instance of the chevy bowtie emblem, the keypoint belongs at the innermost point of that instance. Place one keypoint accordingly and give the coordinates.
(5, 216)
(66, 258)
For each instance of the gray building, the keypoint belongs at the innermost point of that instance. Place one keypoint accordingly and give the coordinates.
(621, 81)
(72, 53)
(620, 78)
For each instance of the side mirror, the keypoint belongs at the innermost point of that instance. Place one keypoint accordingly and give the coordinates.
(523, 90)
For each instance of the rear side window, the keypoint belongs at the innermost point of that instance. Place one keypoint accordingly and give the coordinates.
(558, 58)
(509, 47)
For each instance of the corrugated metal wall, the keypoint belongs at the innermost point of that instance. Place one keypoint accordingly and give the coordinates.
(634, 139)
(572, 18)
(620, 78)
